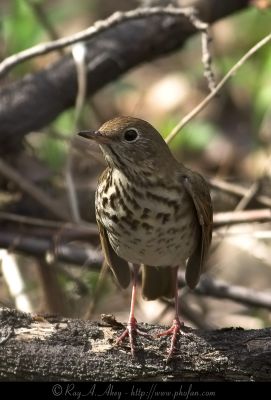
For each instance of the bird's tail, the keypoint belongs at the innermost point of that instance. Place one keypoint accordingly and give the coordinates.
(158, 282)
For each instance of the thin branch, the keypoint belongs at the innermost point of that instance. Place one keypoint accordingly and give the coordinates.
(39, 195)
(208, 98)
(33, 246)
(248, 196)
(255, 234)
(205, 49)
(109, 54)
(219, 219)
(98, 27)
(79, 57)
(72, 195)
(86, 228)
(207, 60)
(239, 217)
(76, 255)
(222, 290)
(54, 296)
(97, 292)
(253, 190)
(237, 190)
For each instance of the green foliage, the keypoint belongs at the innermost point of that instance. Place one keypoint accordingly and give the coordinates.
(64, 123)
(195, 136)
(20, 27)
(250, 26)
(263, 90)
(254, 76)
(53, 150)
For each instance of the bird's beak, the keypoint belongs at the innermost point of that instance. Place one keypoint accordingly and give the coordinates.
(94, 135)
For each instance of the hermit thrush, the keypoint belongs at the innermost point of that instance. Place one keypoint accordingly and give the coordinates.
(150, 210)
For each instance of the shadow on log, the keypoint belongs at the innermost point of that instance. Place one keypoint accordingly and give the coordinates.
(48, 348)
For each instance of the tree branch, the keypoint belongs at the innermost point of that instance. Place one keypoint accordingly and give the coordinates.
(44, 348)
(216, 89)
(82, 228)
(237, 190)
(79, 255)
(24, 104)
(97, 28)
(33, 246)
(32, 190)
(239, 217)
(221, 290)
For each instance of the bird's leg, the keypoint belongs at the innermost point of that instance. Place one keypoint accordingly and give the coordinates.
(176, 329)
(132, 329)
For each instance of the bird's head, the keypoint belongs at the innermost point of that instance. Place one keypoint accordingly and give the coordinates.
(131, 143)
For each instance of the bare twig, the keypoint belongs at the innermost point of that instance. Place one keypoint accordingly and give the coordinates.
(253, 190)
(87, 228)
(79, 55)
(78, 256)
(237, 190)
(206, 54)
(97, 291)
(255, 234)
(208, 98)
(34, 246)
(72, 196)
(99, 26)
(238, 217)
(55, 300)
(222, 290)
(248, 196)
(109, 54)
(26, 186)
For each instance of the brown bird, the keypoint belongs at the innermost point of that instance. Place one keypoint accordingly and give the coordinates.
(151, 211)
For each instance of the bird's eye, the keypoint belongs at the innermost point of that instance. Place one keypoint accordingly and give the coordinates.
(130, 135)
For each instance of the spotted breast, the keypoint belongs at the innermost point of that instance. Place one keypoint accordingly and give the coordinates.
(146, 222)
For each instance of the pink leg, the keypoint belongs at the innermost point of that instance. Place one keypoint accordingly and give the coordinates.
(176, 328)
(132, 330)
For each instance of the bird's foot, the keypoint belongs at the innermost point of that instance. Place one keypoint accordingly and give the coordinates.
(131, 331)
(175, 330)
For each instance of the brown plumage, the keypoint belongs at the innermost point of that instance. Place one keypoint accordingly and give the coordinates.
(151, 210)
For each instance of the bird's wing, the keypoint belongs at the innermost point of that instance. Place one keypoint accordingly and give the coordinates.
(119, 267)
(198, 190)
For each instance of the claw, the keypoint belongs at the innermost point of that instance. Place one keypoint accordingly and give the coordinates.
(131, 331)
(175, 330)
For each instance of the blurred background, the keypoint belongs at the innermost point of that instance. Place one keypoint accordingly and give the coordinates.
(230, 141)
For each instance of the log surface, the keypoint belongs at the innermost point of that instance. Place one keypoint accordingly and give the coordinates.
(54, 348)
